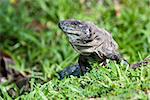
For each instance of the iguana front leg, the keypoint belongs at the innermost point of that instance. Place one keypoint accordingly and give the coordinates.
(76, 70)
(84, 64)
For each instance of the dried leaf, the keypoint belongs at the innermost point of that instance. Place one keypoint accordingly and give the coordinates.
(117, 7)
(21, 79)
(37, 26)
(5, 62)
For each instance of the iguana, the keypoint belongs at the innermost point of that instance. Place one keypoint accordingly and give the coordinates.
(92, 43)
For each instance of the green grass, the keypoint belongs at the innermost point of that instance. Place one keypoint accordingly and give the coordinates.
(45, 52)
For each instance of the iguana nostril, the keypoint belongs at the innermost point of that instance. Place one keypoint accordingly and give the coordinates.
(61, 24)
(90, 30)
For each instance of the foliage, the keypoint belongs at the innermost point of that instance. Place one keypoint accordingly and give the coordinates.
(29, 32)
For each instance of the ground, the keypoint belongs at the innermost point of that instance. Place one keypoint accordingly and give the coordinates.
(30, 34)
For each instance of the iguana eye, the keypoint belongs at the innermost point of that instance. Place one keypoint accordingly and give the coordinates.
(89, 34)
(89, 29)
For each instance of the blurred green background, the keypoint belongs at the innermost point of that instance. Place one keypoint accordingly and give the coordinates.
(29, 30)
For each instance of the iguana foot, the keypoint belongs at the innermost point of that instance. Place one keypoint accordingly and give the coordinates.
(71, 70)
(76, 70)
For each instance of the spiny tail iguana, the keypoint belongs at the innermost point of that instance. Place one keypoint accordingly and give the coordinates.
(93, 44)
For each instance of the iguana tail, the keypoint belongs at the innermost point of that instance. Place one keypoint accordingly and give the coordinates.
(145, 62)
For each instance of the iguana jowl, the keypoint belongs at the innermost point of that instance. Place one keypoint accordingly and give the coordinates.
(93, 44)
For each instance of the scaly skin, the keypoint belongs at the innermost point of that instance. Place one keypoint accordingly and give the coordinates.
(86, 38)
(91, 42)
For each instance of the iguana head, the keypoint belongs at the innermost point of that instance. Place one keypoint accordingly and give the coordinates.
(87, 38)
(76, 30)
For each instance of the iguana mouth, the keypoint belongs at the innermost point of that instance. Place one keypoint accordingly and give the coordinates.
(72, 34)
